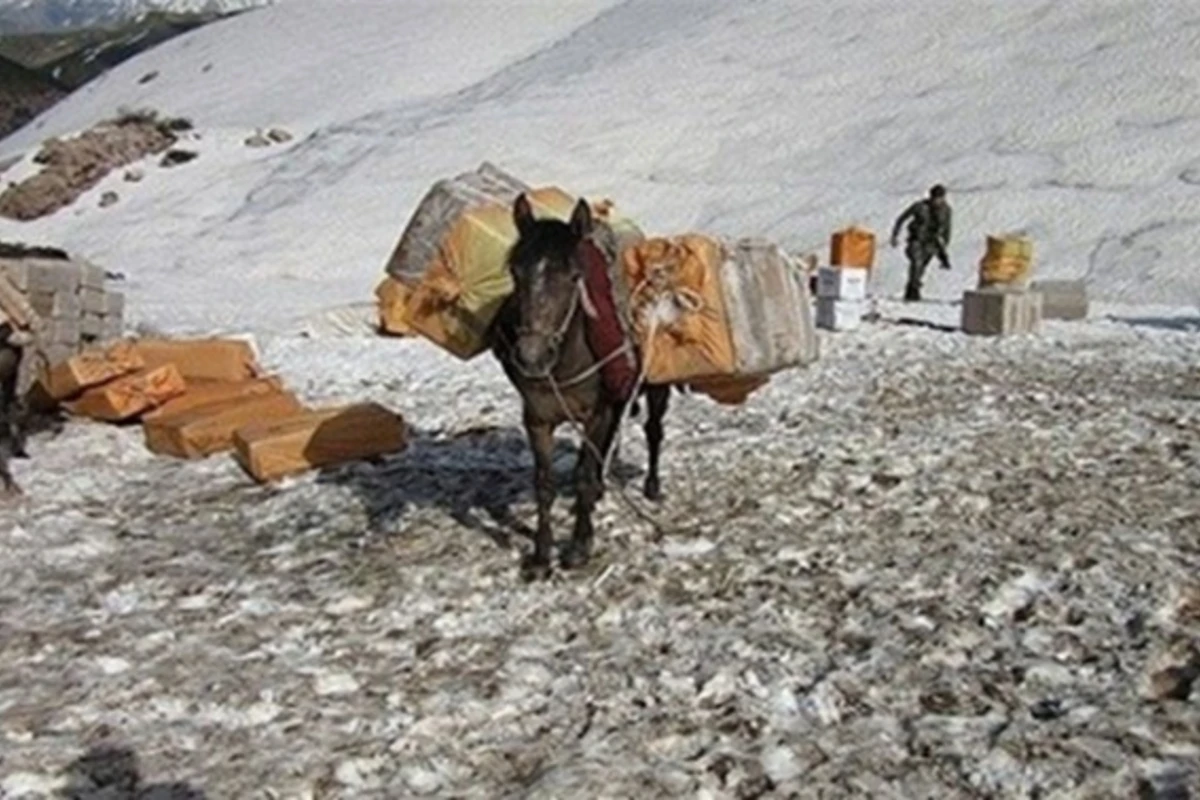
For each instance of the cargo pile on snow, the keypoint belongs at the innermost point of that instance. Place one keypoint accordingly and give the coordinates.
(718, 314)
(842, 284)
(61, 304)
(1003, 304)
(195, 397)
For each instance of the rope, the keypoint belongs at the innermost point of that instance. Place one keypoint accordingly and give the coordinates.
(686, 300)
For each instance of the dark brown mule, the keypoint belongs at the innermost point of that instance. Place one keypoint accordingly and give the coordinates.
(12, 411)
(540, 339)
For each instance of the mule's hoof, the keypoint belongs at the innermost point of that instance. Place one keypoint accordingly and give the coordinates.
(575, 556)
(652, 491)
(535, 569)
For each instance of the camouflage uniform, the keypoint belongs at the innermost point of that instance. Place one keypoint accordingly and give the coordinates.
(928, 236)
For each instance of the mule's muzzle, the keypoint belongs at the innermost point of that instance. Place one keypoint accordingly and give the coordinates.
(536, 355)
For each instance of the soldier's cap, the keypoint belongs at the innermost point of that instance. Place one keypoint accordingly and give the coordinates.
(937, 190)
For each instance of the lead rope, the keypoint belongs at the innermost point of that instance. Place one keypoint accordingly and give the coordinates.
(686, 299)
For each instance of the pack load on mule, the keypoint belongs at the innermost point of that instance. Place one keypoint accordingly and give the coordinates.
(448, 274)
(719, 315)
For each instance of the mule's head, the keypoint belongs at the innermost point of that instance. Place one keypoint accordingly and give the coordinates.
(546, 276)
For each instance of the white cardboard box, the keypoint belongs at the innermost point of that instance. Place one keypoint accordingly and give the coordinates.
(842, 283)
(839, 315)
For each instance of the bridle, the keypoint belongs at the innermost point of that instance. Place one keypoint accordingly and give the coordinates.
(579, 299)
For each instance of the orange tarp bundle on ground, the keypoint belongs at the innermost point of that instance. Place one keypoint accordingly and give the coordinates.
(130, 396)
(201, 359)
(208, 429)
(721, 315)
(852, 247)
(203, 393)
(269, 451)
(92, 368)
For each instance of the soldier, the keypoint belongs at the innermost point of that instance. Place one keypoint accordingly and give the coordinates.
(928, 236)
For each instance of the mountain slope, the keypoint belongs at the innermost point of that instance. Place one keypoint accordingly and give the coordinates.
(1072, 122)
(41, 16)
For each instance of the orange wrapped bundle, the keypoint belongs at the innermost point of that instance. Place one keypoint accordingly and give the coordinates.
(273, 450)
(201, 359)
(852, 247)
(91, 368)
(721, 315)
(203, 393)
(126, 398)
(210, 428)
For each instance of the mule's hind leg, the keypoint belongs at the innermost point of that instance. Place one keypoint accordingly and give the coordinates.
(657, 399)
(541, 441)
(15, 411)
(589, 482)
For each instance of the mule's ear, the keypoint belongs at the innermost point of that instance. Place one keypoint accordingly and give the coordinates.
(523, 215)
(581, 220)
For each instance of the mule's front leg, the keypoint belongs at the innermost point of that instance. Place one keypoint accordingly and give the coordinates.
(598, 437)
(541, 440)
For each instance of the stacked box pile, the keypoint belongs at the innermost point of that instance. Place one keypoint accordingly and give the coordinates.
(196, 398)
(72, 304)
(1003, 304)
(842, 286)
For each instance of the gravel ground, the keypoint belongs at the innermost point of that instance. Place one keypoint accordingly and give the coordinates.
(929, 566)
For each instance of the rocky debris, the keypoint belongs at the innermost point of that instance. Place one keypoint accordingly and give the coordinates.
(257, 139)
(149, 76)
(980, 624)
(109, 198)
(72, 166)
(134, 175)
(176, 156)
(271, 137)
(1173, 672)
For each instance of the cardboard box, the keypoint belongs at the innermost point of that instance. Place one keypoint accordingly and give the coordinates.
(57, 304)
(839, 315)
(1062, 299)
(318, 439)
(49, 276)
(69, 378)
(842, 283)
(201, 359)
(130, 396)
(208, 429)
(852, 247)
(998, 312)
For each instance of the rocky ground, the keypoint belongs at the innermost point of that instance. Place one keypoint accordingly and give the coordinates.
(69, 167)
(930, 566)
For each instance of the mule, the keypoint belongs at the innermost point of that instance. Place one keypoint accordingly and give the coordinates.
(12, 410)
(540, 338)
